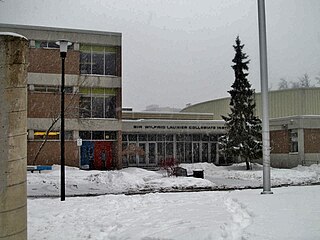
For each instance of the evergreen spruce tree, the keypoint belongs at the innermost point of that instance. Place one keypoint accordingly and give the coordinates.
(243, 137)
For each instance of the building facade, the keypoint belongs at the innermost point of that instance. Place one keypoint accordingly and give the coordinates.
(92, 96)
(99, 135)
(294, 124)
(149, 138)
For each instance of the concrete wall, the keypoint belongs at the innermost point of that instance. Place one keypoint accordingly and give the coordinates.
(13, 138)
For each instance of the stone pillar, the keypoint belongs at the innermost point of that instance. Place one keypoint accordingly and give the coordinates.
(13, 137)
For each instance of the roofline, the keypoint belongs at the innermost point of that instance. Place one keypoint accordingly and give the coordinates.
(69, 30)
(256, 93)
(168, 113)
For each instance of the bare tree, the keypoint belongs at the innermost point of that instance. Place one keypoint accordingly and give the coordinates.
(305, 81)
(68, 108)
(294, 84)
(283, 84)
(318, 78)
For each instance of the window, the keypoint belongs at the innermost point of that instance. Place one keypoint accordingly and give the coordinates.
(98, 135)
(293, 141)
(51, 88)
(48, 44)
(98, 60)
(97, 103)
(53, 135)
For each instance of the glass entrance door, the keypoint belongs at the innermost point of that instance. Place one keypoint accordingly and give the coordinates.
(152, 153)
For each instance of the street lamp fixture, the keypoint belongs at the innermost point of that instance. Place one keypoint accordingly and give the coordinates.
(63, 54)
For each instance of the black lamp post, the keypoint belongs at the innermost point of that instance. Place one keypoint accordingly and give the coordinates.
(63, 53)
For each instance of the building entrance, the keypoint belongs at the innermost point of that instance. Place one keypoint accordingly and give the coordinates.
(96, 155)
(145, 150)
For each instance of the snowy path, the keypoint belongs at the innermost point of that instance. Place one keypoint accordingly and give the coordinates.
(240, 219)
(151, 216)
(290, 213)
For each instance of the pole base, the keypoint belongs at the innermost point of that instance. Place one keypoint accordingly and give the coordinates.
(267, 192)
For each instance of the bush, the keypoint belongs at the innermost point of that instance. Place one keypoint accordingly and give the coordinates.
(169, 164)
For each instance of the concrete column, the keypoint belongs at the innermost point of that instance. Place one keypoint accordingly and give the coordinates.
(13, 137)
(301, 146)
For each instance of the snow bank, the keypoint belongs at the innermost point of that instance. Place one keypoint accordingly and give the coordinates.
(137, 180)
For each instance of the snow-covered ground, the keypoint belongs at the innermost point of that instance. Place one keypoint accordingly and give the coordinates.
(290, 213)
(133, 180)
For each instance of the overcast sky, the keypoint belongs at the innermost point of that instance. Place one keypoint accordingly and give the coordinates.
(177, 52)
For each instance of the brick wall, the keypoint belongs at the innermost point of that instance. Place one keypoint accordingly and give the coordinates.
(47, 105)
(48, 61)
(312, 140)
(50, 153)
(279, 141)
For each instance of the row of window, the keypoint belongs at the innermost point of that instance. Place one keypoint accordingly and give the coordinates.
(94, 102)
(97, 60)
(154, 152)
(49, 44)
(54, 135)
(50, 88)
(169, 137)
(85, 135)
(97, 103)
(183, 140)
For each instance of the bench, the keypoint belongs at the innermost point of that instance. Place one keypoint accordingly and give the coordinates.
(38, 168)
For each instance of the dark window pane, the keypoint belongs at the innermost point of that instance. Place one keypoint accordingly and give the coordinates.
(188, 151)
(213, 138)
(68, 135)
(85, 63)
(97, 107)
(110, 135)
(98, 135)
(152, 153)
(152, 137)
(97, 63)
(160, 151)
(124, 137)
(132, 152)
(180, 152)
(205, 153)
(213, 152)
(180, 137)
(43, 44)
(161, 137)
(169, 137)
(169, 150)
(143, 137)
(188, 137)
(196, 152)
(110, 64)
(205, 137)
(53, 45)
(85, 107)
(196, 137)
(132, 137)
(142, 153)
(110, 109)
(85, 135)
(68, 89)
(52, 89)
